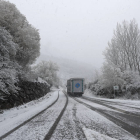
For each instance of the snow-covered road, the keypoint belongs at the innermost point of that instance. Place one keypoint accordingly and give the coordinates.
(81, 123)
(77, 123)
(40, 125)
(16, 116)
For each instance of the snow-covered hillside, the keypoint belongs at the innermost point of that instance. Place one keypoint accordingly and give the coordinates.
(70, 68)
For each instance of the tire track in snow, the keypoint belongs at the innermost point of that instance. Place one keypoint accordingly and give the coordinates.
(69, 128)
(49, 134)
(79, 130)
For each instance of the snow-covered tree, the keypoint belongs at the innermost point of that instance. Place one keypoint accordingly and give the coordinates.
(111, 76)
(124, 48)
(122, 58)
(24, 34)
(122, 65)
(8, 66)
(47, 70)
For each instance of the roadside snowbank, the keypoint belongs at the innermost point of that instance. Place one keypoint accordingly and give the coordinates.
(15, 116)
(132, 103)
(88, 93)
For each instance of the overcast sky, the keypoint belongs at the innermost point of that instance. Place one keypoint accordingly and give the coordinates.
(77, 29)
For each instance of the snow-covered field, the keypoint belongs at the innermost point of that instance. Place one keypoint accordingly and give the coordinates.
(15, 116)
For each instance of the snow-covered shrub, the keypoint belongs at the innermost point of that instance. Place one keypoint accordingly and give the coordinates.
(28, 91)
(128, 82)
(135, 96)
(110, 77)
(132, 82)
